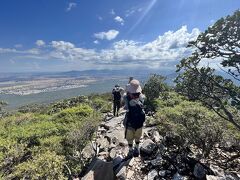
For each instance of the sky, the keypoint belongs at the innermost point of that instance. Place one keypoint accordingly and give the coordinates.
(65, 35)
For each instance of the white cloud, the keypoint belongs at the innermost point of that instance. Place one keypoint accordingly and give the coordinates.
(62, 45)
(171, 46)
(71, 5)
(166, 50)
(68, 51)
(33, 51)
(109, 35)
(119, 19)
(40, 43)
(7, 50)
(96, 42)
(112, 12)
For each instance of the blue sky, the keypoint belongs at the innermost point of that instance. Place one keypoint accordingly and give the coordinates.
(63, 35)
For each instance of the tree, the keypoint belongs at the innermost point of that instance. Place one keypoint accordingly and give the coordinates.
(153, 88)
(221, 41)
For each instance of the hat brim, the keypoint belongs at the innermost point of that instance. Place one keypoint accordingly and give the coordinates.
(132, 89)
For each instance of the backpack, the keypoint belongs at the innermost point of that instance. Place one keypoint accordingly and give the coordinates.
(116, 95)
(136, 116)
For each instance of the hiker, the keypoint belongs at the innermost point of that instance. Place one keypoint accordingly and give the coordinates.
(135, 117)
(116, 93)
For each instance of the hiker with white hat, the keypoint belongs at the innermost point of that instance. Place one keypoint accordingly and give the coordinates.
(135, 117)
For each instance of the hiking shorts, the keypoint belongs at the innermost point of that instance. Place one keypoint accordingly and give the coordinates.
(132, 134)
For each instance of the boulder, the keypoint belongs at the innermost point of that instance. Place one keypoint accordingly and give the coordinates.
(148, 147)
(88, 151)
(98, 171)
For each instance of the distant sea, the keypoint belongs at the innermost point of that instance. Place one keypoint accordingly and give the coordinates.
(100, 86)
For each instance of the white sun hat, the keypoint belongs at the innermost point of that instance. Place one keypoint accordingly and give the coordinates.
(134, 87)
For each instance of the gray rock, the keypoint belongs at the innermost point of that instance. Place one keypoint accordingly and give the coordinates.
(112, 123)
(158, 161)
(210, 177)
(98, 171)
(148, 147)
(179, 177)
(88, 151)
(102, 130)
(112, 153)
(232, 176)
(156, 136)
(152, 174)
(217, 170)
(199, 171)
(103, 143)
(117, 137)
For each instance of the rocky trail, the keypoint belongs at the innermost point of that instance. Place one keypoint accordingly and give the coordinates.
(161, 157)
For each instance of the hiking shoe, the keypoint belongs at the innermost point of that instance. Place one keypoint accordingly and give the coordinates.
(136, 152)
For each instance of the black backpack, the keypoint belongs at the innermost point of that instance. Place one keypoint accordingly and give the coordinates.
(116, 95)
(136, 116)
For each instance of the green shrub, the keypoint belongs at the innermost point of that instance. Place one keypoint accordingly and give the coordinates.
(74, 114)
(36, 145)
(101, 105)
(76, 140)
(194, 123)
(11, 154)
(44, 165)
(153, 88)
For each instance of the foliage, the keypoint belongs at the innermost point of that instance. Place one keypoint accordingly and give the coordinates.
(153, 88)
(201, 83)
(101, 105)
(75, 141)
(43, 145)
(67, 103)
(222, 40)
(2, 112)
(43, 165)
(193, 122)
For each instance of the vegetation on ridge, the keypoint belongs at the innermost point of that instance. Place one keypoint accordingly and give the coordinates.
(41, 142)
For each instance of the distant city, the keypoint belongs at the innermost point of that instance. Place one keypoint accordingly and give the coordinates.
(19, 89)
